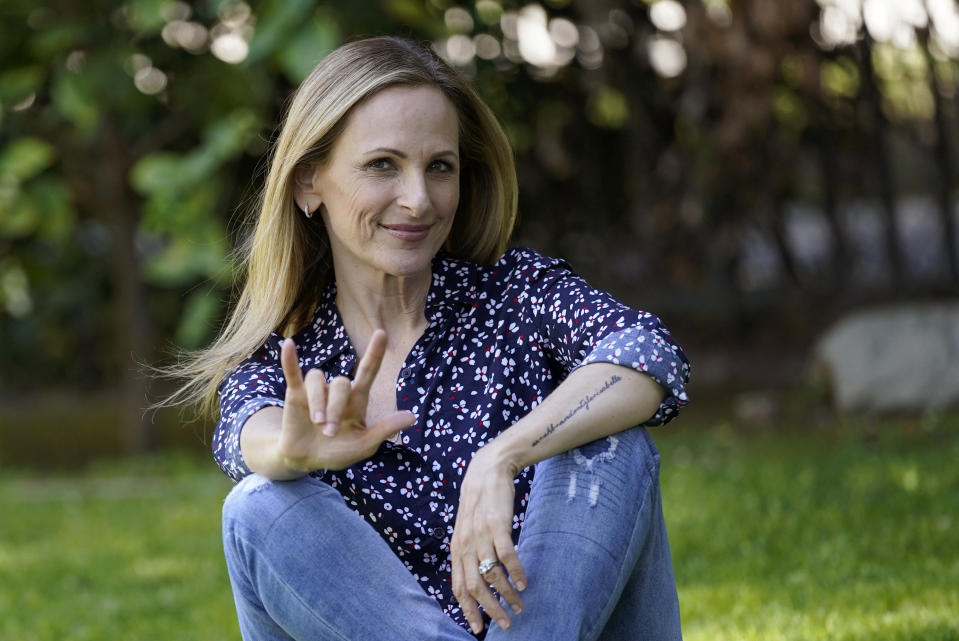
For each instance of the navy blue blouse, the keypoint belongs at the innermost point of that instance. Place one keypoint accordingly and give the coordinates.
(499, 340)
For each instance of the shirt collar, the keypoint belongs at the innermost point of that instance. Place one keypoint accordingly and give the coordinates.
(325, 337)
(453, 286)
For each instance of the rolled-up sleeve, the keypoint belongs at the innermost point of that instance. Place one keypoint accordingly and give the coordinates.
(584, 325)
(653, 352)
(255, 383)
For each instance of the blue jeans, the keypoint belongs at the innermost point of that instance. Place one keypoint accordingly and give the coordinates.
(305, 566)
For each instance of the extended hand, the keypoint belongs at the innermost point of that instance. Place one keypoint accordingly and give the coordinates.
(324, 425)
(484, 522)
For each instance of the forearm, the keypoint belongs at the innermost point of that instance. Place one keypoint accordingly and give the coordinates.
(259, 443)
(596, 400)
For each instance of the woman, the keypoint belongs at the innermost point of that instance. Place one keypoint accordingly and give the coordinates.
(385, 451)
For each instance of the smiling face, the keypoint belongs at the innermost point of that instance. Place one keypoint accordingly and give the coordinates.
(390, 186)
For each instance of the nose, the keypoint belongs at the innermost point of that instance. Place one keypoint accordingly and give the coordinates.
(414, 194)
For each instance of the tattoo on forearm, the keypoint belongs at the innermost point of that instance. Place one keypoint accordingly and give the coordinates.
(583, 405)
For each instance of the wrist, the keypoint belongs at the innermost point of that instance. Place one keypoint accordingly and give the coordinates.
(505, 450)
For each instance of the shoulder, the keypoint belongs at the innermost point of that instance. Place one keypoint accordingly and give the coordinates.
(518, 268)
(526, 258)
(524, 265)
(513, 258)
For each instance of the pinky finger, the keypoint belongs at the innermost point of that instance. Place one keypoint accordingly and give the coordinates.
(467, 603)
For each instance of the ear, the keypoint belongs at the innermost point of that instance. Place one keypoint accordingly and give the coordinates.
(304, 187)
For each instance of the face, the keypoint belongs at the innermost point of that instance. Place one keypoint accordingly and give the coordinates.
(391, 184)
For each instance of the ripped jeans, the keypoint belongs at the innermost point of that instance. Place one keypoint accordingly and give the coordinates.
(594, 547)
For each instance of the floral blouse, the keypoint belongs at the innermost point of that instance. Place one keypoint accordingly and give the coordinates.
(500, 339)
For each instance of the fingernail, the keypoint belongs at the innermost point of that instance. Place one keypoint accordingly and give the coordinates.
(317, 417)
(504, 624)
(330, 429)
(521, 585)
(517, 608)
(476, 628)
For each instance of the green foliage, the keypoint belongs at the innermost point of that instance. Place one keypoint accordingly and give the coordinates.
(16, 84)
(197, 320)
(280, 19)
(25, 158)
(608, 109)
(25, 203)
(125, 150)
(115, 135)
(308, 45)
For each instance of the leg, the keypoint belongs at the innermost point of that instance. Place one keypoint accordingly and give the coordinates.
(305, 566)
(594, 548)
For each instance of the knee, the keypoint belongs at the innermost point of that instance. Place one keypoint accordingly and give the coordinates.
(246, 504)
(619, 468)
(256, 504)
(239, 500)
(631, 449)
(637, 445)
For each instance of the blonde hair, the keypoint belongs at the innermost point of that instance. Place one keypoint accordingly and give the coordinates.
(286, 258)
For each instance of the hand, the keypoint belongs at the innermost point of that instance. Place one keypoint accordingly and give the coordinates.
(484, 523)
(324, 425)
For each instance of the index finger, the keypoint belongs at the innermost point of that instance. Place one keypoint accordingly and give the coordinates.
(369, 365)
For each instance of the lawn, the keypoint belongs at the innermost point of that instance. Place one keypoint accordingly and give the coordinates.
(843, 530)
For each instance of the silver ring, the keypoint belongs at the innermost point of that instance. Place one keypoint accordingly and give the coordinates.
(487, 565)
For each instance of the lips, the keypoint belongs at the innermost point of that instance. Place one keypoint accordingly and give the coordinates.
(407, 232)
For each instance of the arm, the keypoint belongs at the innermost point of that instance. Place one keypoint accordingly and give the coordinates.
(593, 402)
(622, 369)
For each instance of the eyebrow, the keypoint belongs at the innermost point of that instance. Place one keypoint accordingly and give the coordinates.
(400, 154)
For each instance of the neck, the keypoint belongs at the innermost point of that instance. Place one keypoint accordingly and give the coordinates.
(395, 304)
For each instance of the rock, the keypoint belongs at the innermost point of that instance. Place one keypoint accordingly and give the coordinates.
(902, 358)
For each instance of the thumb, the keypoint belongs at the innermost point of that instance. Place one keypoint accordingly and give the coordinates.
(393, 424)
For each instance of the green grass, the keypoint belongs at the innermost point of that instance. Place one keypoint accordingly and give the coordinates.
(846, 532)
(126, 551)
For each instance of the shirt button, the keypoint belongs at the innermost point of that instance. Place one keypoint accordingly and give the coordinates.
(406, 371)
(438, 533)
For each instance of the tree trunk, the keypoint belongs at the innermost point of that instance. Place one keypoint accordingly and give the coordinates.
(943, 154)
(880, 154)
(131, 328)
(830, 180)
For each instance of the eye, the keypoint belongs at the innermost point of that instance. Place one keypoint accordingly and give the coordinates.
(380, 164)
(441, 166)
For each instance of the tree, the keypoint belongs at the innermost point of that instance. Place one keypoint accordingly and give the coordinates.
(663, 146)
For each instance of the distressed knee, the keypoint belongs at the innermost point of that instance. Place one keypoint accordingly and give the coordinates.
(241, 509)
(585, 467)
(256, 503)
(627, 454)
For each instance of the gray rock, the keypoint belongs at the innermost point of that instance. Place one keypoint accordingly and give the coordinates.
(893, 359)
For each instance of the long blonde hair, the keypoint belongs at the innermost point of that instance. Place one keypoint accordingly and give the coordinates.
(286, 258)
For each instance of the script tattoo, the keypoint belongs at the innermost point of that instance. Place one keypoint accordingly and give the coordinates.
(583, 405)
